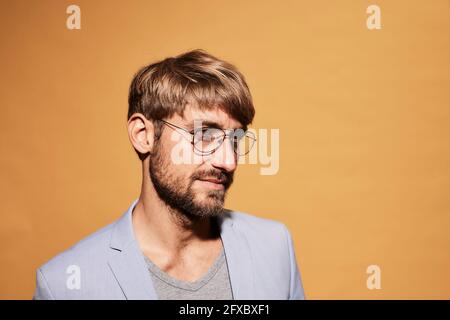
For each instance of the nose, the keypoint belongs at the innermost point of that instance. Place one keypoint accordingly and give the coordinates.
(224, 157)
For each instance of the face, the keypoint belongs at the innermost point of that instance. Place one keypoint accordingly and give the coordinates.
(197, 187)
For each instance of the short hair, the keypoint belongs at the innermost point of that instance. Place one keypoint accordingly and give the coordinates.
(164, 88)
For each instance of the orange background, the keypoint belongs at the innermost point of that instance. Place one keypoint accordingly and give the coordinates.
(363, 116)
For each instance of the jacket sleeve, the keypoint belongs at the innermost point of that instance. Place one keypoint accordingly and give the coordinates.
(42, 291)
(296, 286)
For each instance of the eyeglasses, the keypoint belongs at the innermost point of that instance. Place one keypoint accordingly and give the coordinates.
(207, 140)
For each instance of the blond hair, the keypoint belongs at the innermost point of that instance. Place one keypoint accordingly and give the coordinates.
(164, 88)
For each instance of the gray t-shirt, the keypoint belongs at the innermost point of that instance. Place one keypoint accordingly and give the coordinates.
(213, 285)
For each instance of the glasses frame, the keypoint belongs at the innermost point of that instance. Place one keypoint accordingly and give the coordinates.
(225, 135)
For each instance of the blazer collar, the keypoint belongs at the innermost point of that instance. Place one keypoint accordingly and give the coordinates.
(128, 265)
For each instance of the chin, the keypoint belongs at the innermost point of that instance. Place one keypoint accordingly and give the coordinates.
(211, 201)
(212, 196)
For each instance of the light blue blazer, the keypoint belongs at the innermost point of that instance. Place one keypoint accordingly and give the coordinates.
(110, 265)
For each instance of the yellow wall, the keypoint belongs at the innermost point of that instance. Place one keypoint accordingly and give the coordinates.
(363, 116)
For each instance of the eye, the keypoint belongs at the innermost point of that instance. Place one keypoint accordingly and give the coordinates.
(208, 135)
(205, 134)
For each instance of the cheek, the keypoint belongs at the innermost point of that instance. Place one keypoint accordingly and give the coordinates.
(177, 167)
(180, 151)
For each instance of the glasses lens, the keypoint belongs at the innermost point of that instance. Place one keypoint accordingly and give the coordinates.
(243, 141)
(206, 140)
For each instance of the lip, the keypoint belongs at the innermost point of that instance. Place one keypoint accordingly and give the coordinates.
(212, 183)
(212, 180)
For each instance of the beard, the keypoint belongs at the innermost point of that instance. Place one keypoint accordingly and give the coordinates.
(178, 192)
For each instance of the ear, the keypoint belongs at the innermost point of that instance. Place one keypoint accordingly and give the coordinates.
(141, 133)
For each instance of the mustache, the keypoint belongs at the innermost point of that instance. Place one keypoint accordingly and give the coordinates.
(226, 178)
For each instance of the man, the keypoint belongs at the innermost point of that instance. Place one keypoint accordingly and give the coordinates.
(187, 121)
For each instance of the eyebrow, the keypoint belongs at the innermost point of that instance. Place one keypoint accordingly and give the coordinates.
(210, 123)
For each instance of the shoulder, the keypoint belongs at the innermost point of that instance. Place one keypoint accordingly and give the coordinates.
(77, 272)
(262, 234)
(271, 252)
(89, 250)
(252, 224)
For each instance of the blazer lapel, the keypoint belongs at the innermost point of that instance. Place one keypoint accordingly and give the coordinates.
(127, 261)
(239, 260)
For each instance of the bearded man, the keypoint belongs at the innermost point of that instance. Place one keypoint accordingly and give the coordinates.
(188, 120)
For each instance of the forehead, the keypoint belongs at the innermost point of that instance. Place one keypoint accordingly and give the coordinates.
(213, 116)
